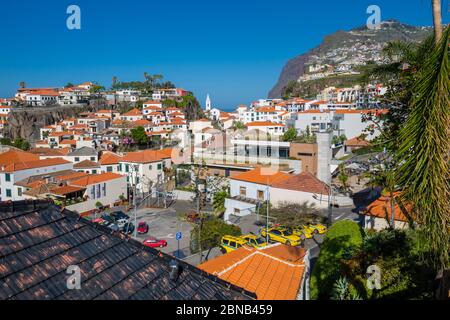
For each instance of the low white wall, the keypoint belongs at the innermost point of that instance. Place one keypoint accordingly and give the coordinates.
(244, 207)
(183, 195)
(277, 196)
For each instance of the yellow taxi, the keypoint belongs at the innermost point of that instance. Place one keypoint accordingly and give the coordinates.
(302, 232)
(318, 228)
(231, 243)
(282, 235)
(254, 241)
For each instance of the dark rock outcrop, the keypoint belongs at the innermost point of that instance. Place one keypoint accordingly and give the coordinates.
(27, 122)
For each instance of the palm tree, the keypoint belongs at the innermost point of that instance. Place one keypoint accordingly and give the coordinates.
(437, 20)
(424, 147)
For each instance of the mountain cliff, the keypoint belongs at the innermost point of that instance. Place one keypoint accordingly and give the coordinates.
(343, 51)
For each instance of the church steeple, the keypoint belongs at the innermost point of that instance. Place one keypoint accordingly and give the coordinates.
(208, 103)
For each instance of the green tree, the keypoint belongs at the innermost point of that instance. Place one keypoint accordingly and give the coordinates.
(424, 149)
(238, 125)
(139, 135)
(21, 144)
(212, 230)
(293, 214)
(290, 135)
(219, 201)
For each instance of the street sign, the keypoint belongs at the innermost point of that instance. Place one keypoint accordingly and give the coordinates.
(179, 235)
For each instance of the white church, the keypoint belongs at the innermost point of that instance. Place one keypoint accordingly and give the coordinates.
(212, 113)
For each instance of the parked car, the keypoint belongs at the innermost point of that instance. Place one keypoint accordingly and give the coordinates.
(153, 242)
(117, 215)
(98, 220)
(142, 227)
(231, 243)
(128, 228)
(108, 218)
(303, 232)
(317, 228)
(121, 222)
(114, 227)
(254, 241)
(282, 235)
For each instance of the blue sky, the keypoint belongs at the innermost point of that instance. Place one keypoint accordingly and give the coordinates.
(232, 49)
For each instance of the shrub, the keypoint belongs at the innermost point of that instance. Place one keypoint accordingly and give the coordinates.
(341, 240)
(212, 230)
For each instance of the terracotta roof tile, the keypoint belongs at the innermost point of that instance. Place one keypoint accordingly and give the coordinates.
(109, 158)
(273, 273)
(305, 182)
(96, 178)
(261, 176)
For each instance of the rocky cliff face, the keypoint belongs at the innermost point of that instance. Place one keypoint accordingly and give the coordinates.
(346, 50)
(26, 122)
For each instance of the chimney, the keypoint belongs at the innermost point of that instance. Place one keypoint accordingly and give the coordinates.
(324, 155)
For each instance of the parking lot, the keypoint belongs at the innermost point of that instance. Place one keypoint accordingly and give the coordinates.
(165, 223)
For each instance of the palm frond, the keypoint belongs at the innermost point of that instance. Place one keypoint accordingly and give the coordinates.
(424, 151)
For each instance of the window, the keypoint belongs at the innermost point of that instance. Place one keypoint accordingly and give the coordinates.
(150, 167)
(109, 169)
(98, 191)
(127, 168)
(19, 192)
(119, 167)
(276, 232)
(305, 154)
(77, 159)
(92, 158)
(243, 191)
(8, 193)
(7, 177)
(93, 192)
(94, 171)
(104, 189)
(260, 195)
(233, 244)
(159, 166)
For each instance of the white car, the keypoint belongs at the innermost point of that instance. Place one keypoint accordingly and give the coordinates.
(121, 223)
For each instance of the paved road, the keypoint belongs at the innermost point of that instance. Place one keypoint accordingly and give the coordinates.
(165, 223)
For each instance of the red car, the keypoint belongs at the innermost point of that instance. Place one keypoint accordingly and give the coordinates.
(142, 227)
(152, 242)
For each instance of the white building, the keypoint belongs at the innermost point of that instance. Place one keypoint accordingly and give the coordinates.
(249, 190)
(16, 166)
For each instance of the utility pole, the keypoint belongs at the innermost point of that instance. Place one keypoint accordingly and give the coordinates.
(330, 207)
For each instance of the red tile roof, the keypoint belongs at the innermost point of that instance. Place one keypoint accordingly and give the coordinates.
(261, 176)
(109, 158)
(34, 164)
(264, 124)
(96, 178)
(381, 208)
(273, 273)
(144, 156)
(304, 182)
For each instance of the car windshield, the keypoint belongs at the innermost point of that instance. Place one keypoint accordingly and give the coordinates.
(259, 241)
(287, 232)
